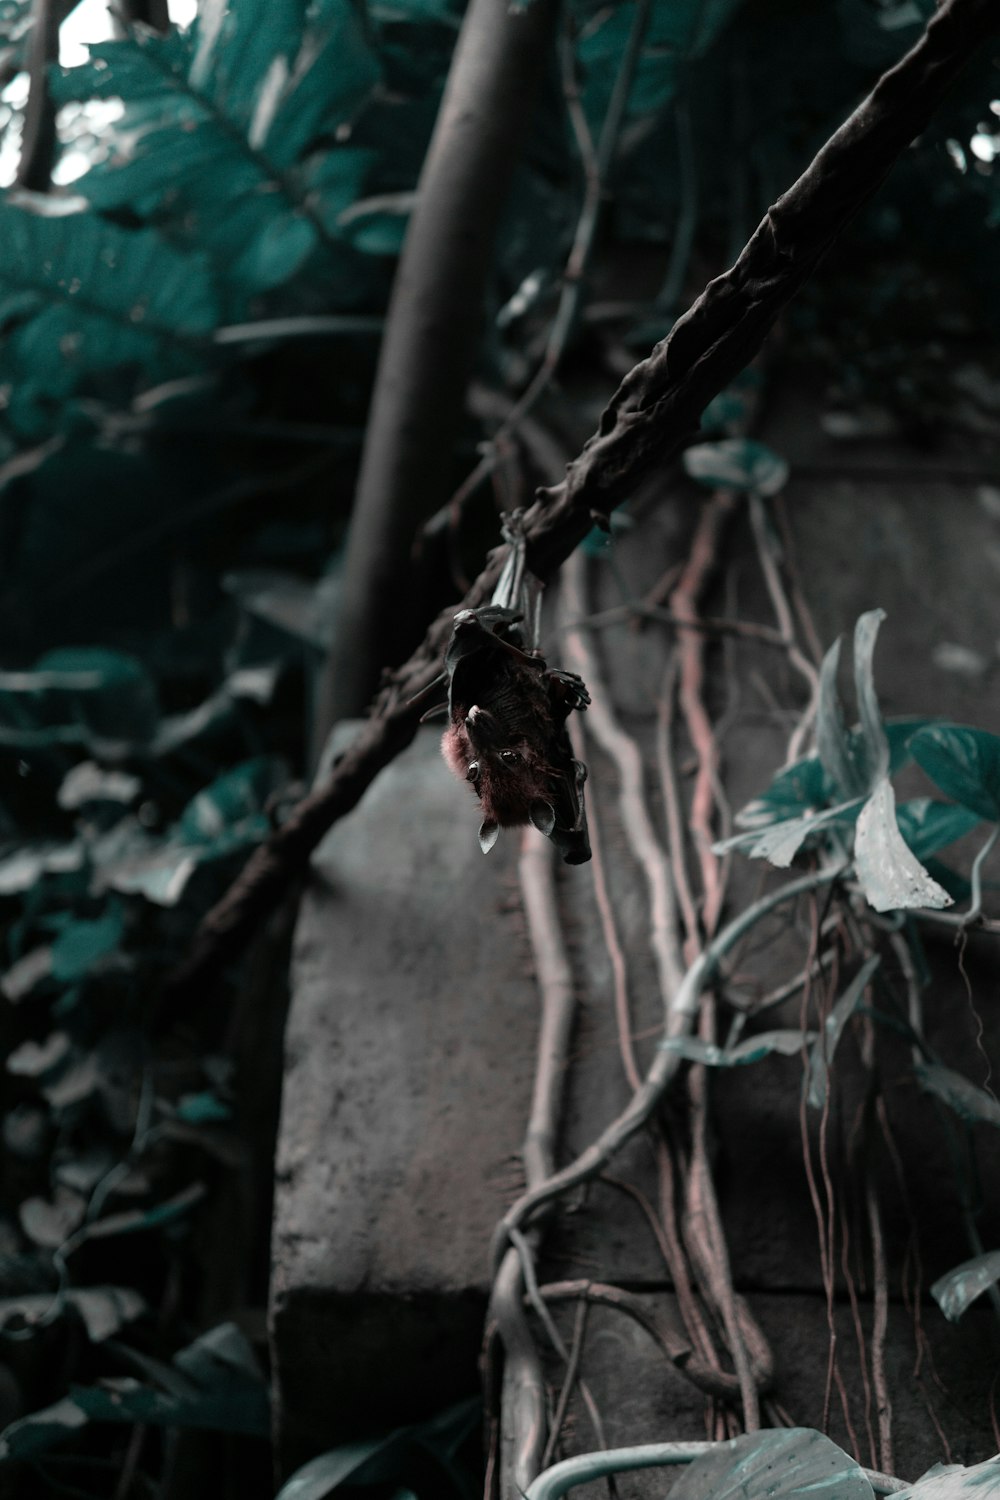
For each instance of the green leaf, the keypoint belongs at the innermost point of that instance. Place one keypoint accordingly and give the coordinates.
(81, 944)
(793, 1463)
(219, 126)
(232, 800)
(971, 1103)
(103, 1309)
(964, 763)
(426, 1450)
(227, 1392)
(876, 746)
(753, 1049)
(826, 1045)
(832, 741)
(955, 1482)
(954, 1291)
(927, 825)
(41, 1431)
(891, 877)
(79, 296)
(800, 788)
(736, 463)
(201, 1109)
(780, 842)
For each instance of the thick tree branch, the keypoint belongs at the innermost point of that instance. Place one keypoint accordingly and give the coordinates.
(649, 419)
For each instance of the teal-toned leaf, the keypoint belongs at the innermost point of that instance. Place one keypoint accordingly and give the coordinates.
(927, 825)
(964, 763)
(971, 1103)
(956, 1482)
(832, 741)
(958, 888)
(227, 1391)
(876, 745)
(87, 783)
(801, 788)
(31, 970)
(890, 875)
(219, 126)
(795, 1463)
(736, 463)
(753, 1049)
(427, 1447)
(82, 944)
(41, 1431)
(233, 799)
(79, 295)
(899, 731)
(103, 1309)
(202, 1109)
(954, 1291)
(826, 1044)
(24, 867)
(110, 695)
(780, 842)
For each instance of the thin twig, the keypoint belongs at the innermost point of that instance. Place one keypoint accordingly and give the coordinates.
(569, 1380)
(524, 1408)
(765, 544)
(684, 602)
(623, 750)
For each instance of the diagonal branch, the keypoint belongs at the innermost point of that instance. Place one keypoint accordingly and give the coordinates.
(649, 419)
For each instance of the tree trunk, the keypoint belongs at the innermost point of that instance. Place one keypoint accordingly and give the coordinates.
(431, 338)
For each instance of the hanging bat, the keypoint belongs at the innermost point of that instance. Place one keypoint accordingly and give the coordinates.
(507, 712)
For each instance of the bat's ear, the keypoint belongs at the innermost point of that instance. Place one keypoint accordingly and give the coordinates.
(543, 816)
(488, 834)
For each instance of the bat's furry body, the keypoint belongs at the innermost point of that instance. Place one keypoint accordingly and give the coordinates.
(506, 734)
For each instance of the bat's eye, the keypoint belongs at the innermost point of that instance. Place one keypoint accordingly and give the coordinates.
(510, 757)
(472, 774)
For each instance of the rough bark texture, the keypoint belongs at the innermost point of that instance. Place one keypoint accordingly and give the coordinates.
(431, 336)
(650, 418)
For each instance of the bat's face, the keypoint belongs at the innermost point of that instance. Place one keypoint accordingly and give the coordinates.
(507, 773)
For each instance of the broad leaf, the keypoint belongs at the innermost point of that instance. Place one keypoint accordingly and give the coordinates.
(958, 1288)
(801, 788)
(427, 1449)
(964, 763)
(41, 1431)
(971, 1103)
(226, 1391)
(927, 825)
(826, 1045)
(81, 944)
(891, 877)
(79, 296)
(223, 127)
(103, 1309)
(795, 1463)
(780, 842)
(736, 463)
(956, 1482)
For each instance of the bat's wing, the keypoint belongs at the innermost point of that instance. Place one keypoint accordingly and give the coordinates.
(565, 823)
